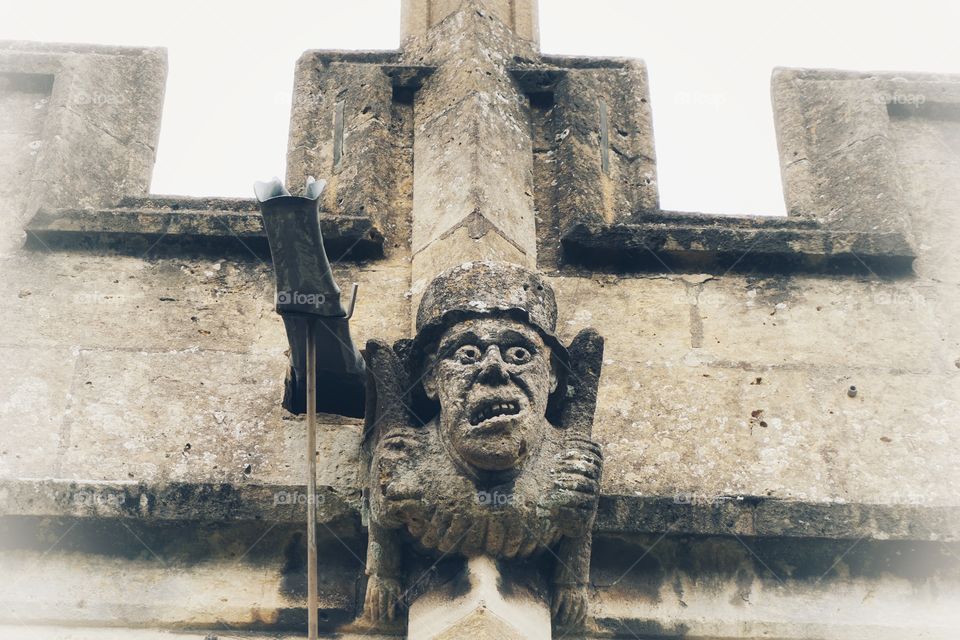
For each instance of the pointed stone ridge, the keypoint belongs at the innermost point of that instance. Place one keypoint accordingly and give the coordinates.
(473, 150)
(494, 606)
(418, 16)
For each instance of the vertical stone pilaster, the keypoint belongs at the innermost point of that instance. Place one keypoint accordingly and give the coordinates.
(418, 16)
(473, 199)
(473, 153)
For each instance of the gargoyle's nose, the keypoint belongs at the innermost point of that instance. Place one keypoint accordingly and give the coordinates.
(493, 370)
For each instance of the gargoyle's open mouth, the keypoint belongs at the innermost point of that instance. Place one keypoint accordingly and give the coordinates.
(493, 409)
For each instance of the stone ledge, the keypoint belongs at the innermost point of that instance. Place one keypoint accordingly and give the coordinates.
(77, 47)
(173, 501)
(375, 56)
(203, 225)
(705, 243)
(754, 516)
(764, 517)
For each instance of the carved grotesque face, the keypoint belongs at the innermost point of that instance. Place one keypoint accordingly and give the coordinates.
(493, 377)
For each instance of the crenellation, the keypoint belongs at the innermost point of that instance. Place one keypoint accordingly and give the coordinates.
(346, 124)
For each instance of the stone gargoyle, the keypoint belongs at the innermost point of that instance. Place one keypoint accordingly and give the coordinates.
(478, 437)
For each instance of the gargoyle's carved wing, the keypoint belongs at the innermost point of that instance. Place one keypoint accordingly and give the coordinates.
(583, 379)
(388, 389)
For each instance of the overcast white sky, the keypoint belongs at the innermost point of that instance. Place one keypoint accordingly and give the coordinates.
(231, 70)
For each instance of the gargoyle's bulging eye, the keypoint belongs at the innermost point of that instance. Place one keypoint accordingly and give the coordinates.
(518, 355)
(467, 354)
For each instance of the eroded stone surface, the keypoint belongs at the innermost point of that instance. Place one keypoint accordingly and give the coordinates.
(418, 16)
(479, 444)
(724, 407)
(473, 157)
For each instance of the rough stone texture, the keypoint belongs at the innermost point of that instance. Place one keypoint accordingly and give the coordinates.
(24, 102)
(738, 386)
(418, 16)
(101, 123)
(839, 165)
(724, 408)
(473, 158)
(189, 225)
(352, 124)
(130, 326)
(34, 402)
(840, 170)
(600, 135)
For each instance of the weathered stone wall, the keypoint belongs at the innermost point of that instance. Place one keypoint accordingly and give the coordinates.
(148, 382)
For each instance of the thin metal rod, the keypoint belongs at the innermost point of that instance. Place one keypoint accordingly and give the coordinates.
(353, 301)
(311, 480)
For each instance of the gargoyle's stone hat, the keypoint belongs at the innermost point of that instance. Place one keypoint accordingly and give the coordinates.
(475, 289)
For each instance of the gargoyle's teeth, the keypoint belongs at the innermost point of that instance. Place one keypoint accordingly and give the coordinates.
(493, 410)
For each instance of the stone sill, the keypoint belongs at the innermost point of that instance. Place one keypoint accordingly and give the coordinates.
(753, 516)
(716, 243)
(202, 225)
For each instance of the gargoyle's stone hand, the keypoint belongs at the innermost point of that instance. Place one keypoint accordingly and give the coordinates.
(572, 500)
(579, 466)
(569, 606)
(382, 600)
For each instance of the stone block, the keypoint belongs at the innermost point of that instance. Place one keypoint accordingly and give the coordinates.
(225, 426)
(707, 433)
(116, 302)
(418, 16)
(100, 133)
(641, 319)
(840, 325)
(838, 162)
(348, 126)
(37, 390)
(178, 416)
(603, 138)
(24, 102)
(927, 143)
